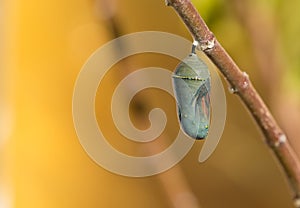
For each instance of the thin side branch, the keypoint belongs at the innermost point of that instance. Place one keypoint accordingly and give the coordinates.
(241, 85)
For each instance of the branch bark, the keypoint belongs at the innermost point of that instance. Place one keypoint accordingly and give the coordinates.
(241, 85)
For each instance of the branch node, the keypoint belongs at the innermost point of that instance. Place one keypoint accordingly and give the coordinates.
(232, 90)
(245, 75)
(207, 44)
(281, 140)
(297, 202)
(167, 2)
(246, 80)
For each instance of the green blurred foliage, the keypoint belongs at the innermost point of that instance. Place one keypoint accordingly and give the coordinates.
(289, 22)
(211, 11)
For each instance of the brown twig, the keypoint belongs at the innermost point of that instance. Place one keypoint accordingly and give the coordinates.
(241, 85)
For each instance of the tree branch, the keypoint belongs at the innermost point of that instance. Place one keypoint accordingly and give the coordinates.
(240, 84)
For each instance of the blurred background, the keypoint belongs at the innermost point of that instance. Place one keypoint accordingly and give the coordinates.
(43, 46)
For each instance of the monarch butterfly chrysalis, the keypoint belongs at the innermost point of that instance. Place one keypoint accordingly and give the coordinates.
(191, 82)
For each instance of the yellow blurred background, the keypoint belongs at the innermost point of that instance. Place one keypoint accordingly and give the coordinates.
(43, 46)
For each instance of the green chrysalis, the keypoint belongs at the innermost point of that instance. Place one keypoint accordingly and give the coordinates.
(191, 83)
